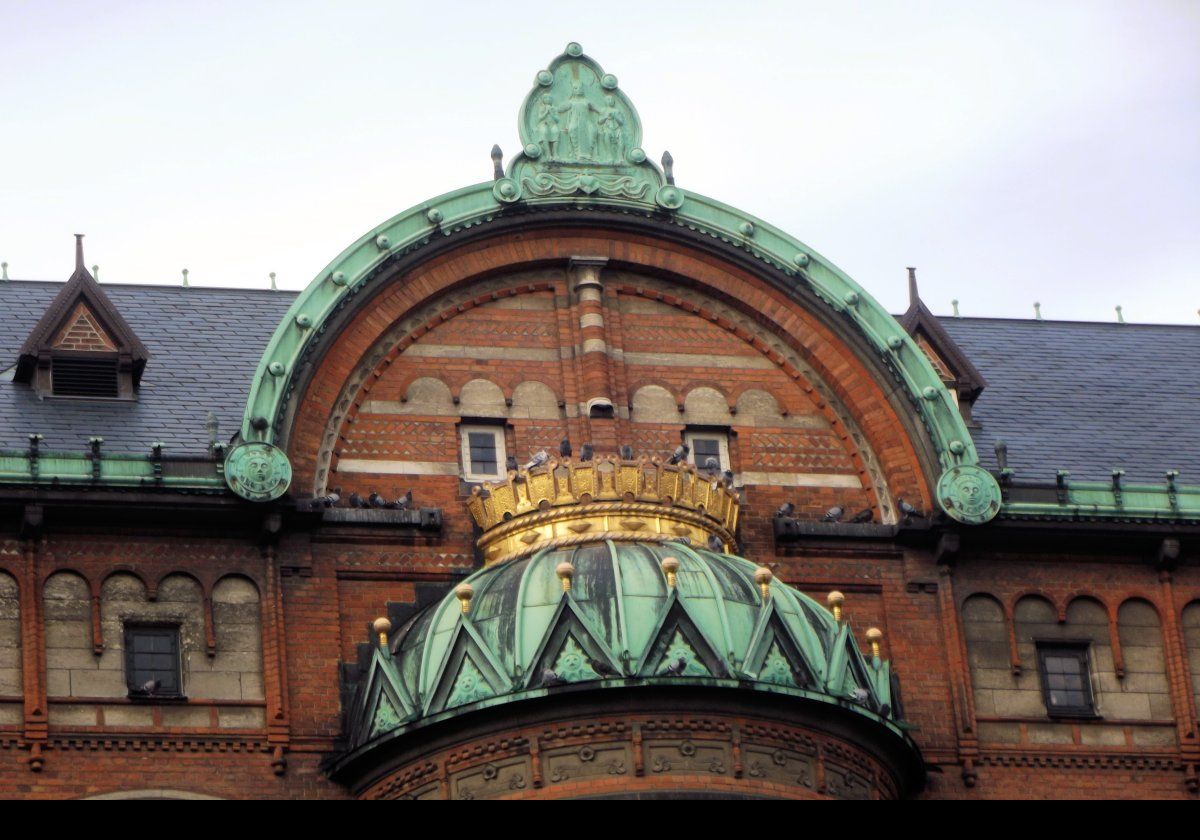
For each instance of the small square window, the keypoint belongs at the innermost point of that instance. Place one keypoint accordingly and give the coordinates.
(483, 453)
(152, 661)
(707, 445)
(1066, 679)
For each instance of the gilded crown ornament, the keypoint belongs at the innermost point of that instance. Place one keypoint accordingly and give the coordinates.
(560, 503)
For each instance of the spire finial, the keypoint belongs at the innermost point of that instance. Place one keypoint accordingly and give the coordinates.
(79, 252)
(185, 280)
(1037, 311)
(1120, 315)
(913, 296)
(497, 162)
(3, 271)
(668, 163)
(274, 288)
(954, 306)
(96, 272)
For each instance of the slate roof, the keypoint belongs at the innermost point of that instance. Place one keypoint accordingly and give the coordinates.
(204, 345)
(1085, 397)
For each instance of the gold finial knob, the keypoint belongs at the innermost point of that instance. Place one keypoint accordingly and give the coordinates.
(464, 592)
(874, 636)
(670, 565)
(835, 600)
(565, 572)
(763, 577)
(382, 627)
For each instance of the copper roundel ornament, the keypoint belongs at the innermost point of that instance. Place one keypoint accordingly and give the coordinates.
(259, 472)
(969, 494)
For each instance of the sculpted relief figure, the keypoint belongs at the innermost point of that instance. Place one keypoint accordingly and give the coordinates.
(548, 128)
(612, 125)
(580, 124)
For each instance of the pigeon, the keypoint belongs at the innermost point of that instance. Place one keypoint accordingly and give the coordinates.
(151, 686)
(357, 501)
(564, 448)
(727, 477)
(626, 452)
(834, 514)
(537, 460)
(885, 711)
(510, 463)
(864, 515)
(711, 465)
(907, 509)
(680, 454)
(377, 501)
(329, 499)
(551, 679)
(716, 544)
(786, 509)
(586, 452)
(404, 502)
(860, 696)
(676, 668)
(603, 669)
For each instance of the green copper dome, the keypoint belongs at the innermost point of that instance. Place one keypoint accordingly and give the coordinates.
(621, 623)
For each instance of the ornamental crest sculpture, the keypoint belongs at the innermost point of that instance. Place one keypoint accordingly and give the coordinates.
(581, 134)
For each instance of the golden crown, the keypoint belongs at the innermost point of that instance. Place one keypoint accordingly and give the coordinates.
(563, 503)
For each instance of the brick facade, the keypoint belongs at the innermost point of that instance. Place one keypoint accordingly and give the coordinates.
(514, 331)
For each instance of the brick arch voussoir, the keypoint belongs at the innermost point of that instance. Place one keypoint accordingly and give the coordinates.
(812, 340)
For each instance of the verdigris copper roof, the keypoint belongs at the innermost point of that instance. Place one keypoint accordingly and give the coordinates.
(623, 622)
(1086, 397)
(203, 345)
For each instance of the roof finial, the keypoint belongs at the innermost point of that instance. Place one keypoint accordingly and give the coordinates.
(3, 271)
(497, 162)
(668, 163)
(79, 252)
(913, 296)
(954, 306)
(185, 282)
(274, 288)
(213, 426)
(1037, 311)
(96, 272)
(1120, 315)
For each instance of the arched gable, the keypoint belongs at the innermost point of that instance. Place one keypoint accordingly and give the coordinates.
(800, 301)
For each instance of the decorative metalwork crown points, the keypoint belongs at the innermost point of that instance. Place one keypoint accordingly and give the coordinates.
(570, 502)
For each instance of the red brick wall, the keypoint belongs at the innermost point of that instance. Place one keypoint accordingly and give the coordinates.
(320, 588)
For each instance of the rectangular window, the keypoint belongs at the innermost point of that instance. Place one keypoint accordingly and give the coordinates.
(482, 452)
(1066, 680)
(152, 661)
(707, 445)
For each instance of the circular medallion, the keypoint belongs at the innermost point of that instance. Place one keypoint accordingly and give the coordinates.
(969, 494)
(506, 191)
(669, 198)
(259, 472)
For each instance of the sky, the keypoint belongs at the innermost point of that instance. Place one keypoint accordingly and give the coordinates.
(1012, 151)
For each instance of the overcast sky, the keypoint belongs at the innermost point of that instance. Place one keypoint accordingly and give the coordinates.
(1011, 151)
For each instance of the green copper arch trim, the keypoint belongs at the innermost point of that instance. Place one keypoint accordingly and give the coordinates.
(571, 188)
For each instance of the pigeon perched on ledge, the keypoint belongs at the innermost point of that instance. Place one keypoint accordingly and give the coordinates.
(537, 460)
(603, 669)
(676, 668)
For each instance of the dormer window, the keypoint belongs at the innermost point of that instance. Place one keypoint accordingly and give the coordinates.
(82, 348)
(95, 375)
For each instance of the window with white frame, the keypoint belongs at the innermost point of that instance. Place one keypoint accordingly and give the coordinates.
(483, 453)
(708, 444)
